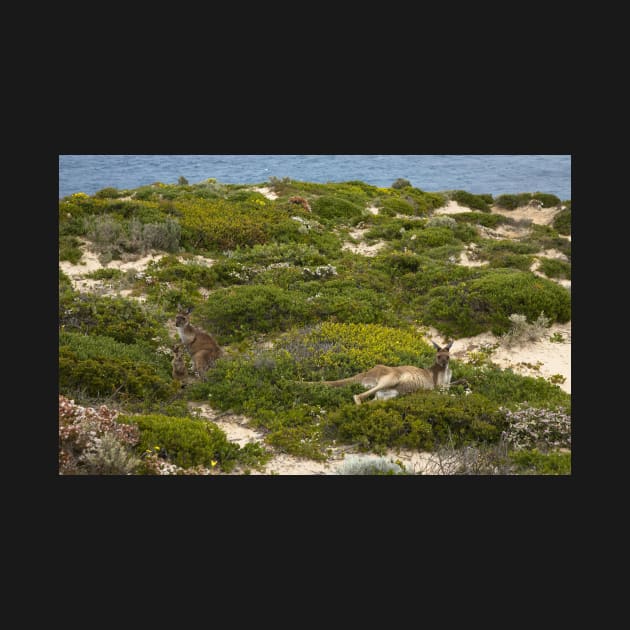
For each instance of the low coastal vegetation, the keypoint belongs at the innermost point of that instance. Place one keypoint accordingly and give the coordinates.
(274, 281)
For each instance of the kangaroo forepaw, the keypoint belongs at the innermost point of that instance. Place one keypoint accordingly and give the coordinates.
(356, 399)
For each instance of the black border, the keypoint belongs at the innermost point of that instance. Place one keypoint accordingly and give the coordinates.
(436, 502)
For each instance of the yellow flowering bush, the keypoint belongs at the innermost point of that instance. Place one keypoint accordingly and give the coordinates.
(218, 224)
(336, 350)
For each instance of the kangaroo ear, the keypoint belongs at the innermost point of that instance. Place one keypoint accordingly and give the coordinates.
(435, 345)
(179, 307)
(189, 310)
(448, 347)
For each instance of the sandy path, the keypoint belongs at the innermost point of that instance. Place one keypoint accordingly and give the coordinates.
(237, 429)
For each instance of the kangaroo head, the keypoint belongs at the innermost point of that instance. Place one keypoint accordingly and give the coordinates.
(183, 316)
(443, 355)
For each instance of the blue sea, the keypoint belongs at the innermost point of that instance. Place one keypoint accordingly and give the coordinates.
(494, 174)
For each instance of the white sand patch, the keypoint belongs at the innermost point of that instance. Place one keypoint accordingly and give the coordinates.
(267, 192)
(542, 216)
(502, 232)
(452, 207)
(551, 357)
(237, 429)
(552, 253)
(372, 209)
(90, 262)
(362, 248)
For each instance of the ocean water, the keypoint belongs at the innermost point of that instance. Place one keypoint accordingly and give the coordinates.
(494, 174)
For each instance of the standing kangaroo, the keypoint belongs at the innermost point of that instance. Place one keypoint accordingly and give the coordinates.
(388, 382)
(203, 349)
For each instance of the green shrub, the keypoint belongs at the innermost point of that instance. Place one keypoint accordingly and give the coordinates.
(397, 263)
(182, 181)
(506, 388)
(545, 237)
(107, 375)
(546, 199)
(420, 240)
(342, 301)
(388, 229)
(562, 222)
(106, 193)
(420, 421)
(333, 208)
(105, 274)
(425, 202)
(511, 202)
(122, 319)
(469, 200)
(536, 463)
(219, 225)
(233, 313)
(397, 205)
(554, 268)
(65, 284)
(486, 302)
(171, 269)
(191, 442)
(488, 248)
(270, 253)
(506, 260)
(164, 236)
(96, 346)
(70, 249)
(465, 233)
(429, 273)
(401, 183)
(487, 220)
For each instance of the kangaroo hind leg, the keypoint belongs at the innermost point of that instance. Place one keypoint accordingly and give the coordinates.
(386, 382)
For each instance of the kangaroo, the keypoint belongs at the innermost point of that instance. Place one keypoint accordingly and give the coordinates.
(180, 370)
(387, 382)
(203, 349)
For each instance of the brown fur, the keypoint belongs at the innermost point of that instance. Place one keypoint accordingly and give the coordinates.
(202, 347)
(404, 379)
(180, 369)
(300, 201)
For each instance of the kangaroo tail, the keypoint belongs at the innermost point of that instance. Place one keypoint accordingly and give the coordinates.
(339, 383)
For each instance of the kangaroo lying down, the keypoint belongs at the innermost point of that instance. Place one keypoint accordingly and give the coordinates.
(387, 382)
